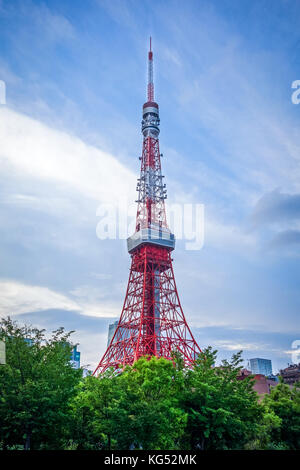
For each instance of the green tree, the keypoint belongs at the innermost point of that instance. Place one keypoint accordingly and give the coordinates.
(149, 415)
(36, 386)
(263, 439)
(223, 412)
(138, 408)
(93, 411)
(154, 404)
(284, 403)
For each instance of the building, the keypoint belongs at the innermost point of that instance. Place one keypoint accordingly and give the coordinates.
(29, 341)
(111, 331)
(125, 332)
(261, 366)
(273, 378)
(75, 358)
(262, 384)
(86, 372)
(291, 374)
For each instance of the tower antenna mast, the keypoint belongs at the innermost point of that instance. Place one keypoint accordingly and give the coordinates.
(150, 88)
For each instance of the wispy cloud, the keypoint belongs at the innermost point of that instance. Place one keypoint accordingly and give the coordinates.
(49, 26)
(276, 206)
(232, 346)
(276, 217)
(39, 152)
(18, 298)
(287, 238)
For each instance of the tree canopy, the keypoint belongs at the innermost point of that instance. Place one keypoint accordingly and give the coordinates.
(154, 404)
(36, 385)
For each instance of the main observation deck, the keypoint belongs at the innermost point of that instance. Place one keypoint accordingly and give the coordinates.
(150, 236)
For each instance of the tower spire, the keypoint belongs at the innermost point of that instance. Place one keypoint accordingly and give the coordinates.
(150, 88)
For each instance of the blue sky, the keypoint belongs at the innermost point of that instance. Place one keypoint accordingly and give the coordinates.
(75, 75)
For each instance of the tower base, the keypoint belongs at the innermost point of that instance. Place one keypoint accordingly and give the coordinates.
(152, 321)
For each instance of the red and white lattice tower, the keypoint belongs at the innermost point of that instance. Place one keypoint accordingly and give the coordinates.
(152, 322)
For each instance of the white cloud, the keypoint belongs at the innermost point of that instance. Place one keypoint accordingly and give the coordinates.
(171, 55)
(92, 347)
(55, 27)
(38, 152)
(101, 276)
(227, 236)
(232, 346)
(17, 298)
(96, 301)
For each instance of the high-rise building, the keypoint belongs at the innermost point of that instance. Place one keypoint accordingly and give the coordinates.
(152, 322)
(261, 366)
(75, 358)
(111, 331)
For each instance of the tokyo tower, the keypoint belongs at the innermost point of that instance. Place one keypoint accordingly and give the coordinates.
(152, 322)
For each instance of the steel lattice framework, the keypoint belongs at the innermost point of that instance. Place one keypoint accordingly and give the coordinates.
(152, 322)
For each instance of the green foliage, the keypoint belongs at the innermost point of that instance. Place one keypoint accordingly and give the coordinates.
(154, 404)
(284, 403)
(223, 412)
(148, 415)
(136, 409)
(93, 409)
(36, 385)
(263, 440)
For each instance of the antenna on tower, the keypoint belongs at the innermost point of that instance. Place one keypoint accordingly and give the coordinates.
(150, 89)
